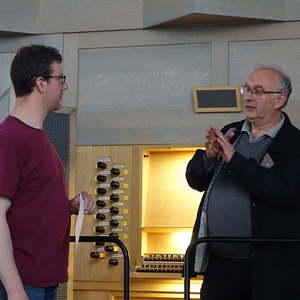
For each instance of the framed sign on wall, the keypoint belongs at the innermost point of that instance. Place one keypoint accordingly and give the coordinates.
(225, 98)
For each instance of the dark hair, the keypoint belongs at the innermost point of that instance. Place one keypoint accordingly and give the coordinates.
(29, 62)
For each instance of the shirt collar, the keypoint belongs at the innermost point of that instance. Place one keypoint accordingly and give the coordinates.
(271, 133)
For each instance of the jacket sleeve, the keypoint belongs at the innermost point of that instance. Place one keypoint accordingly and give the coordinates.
(200, 171)
(277, 187)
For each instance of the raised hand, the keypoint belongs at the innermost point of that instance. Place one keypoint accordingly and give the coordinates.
(213, 146)
(226, 149)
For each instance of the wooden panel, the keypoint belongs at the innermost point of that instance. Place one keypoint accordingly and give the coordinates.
(87, 268)
(140, 288)
(92, 295)
(95, 278)
(170, 201)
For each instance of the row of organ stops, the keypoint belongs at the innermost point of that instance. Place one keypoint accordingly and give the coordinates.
(111, 261)
(113, 210)
(113, 198)
(102, 178)
(113, 184)
(102, 165)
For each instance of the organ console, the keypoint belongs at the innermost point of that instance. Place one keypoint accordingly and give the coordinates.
(143, 200)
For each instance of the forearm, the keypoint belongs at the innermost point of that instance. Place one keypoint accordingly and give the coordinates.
(8, 270)
(199, 171)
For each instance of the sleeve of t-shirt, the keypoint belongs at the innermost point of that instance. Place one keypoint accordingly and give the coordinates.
(11, 162)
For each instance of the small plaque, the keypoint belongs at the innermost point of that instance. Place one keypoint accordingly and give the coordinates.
(217, 98)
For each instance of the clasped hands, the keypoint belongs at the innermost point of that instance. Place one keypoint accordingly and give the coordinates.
(217, 144)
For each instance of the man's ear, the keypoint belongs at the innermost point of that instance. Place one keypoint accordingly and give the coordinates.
(281, 100)
(41, 84)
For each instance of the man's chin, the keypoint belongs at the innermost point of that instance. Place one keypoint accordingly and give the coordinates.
(249, 115)
(55, 108)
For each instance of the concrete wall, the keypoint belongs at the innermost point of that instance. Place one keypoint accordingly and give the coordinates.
(134, 86)
(128, 95)
(260, 9)
(62, 16)
(19, 16)
(89, 15)
(156, 12)
(5, 85)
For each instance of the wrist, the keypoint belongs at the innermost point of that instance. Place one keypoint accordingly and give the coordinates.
(16, 293)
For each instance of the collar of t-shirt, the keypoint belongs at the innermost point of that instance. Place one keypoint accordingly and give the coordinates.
(271, 133)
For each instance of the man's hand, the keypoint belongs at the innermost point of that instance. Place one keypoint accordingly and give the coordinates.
(212, 144)
(89, 203)
(227, 149)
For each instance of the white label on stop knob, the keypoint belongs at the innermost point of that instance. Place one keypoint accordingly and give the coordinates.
(117, 217)
(116, 166)
(117, 255)
(118, 192)
(105, 159)
(104, 185)
(103, 223)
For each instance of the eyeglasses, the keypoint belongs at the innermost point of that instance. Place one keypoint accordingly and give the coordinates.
(61, 77)
(258, 91)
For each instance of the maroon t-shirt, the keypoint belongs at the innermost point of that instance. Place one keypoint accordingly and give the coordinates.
(32, 176)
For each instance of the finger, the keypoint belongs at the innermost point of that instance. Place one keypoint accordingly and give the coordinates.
(210, 132)
(220, 135)
(86, 200)
(223, 142)
(91, 206)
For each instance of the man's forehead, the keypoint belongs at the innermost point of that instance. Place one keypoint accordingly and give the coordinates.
(262, 77)
(56, 67)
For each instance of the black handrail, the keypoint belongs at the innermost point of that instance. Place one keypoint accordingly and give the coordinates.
(98, 238)
(224, 240)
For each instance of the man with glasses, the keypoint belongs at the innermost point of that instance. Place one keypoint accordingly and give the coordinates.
(250, 172)
(34, 205)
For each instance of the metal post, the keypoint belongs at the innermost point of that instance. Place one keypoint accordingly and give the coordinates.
(224, 240)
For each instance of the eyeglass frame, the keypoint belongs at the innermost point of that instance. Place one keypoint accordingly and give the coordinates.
(63, 77)
(256, 92)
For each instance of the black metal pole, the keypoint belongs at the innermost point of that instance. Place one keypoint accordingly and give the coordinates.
(98, 238)
(224, 240)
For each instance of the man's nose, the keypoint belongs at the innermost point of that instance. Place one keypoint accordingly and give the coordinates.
(65, 86)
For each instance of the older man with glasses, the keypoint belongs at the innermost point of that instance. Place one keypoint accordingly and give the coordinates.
(250, 172)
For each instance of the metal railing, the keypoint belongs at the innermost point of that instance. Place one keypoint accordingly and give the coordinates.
(224, 240)
(92, 239)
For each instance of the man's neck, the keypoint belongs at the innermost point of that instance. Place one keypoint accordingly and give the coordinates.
(29, 112)
(258, 129)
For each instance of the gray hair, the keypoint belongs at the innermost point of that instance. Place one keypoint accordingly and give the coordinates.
(285, 86)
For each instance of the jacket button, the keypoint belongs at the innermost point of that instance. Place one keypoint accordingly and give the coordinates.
(253, 204)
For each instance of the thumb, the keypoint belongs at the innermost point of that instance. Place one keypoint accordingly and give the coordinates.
(230, 134)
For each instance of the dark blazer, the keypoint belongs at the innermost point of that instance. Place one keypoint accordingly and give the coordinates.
(275, 209)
